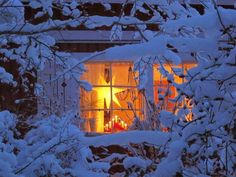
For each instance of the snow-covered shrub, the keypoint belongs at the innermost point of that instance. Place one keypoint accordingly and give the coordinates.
(9, 146)
(52, 147)
(209, 137)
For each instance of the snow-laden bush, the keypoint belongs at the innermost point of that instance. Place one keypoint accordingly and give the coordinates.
(9, 146)
(50, 148)
(206, 144)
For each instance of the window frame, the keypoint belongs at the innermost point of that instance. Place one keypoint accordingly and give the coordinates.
(138, 111)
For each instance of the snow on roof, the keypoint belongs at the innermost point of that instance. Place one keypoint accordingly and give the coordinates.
(88, 35)
(185, 58)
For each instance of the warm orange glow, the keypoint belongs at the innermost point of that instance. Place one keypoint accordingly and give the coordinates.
(105, 92)
(102, 106)
(165, 129)
(189, 117)
(115, 125)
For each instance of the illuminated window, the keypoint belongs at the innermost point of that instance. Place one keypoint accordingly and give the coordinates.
(114, 100)
(164, 91)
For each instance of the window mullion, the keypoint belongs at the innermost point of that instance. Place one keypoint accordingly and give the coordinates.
(111, 83)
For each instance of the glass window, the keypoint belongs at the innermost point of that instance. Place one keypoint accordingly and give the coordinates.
(95, 99)
(115, 100)
(123, 74)
(97, 73)
(164, 91)
(114, 96)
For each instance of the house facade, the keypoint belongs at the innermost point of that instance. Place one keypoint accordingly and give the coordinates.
(115, 99)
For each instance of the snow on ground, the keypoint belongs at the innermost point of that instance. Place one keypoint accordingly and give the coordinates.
(124, 138)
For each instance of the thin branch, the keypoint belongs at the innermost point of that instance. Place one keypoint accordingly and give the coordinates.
(39, 155)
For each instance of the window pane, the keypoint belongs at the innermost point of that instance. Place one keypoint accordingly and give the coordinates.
(122, 97)
(97, 73)
(94, 121)
(163, 90)
(123, 75)
(126, 116)
(98, 98)
(114, 87)
(175, 70)
(163, 93)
